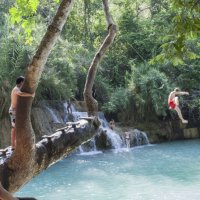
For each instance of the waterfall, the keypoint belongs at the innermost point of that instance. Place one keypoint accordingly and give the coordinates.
(146, 139)
(115, 139)
(72, 106)
(66, 114)
(77, 115)
(53, 115)
(139, 138)
(80, 149)
(108, 138)
(89, 148)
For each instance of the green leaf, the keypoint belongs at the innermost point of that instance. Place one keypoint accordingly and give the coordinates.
(15, 15)
(177, 61)
(192, 55)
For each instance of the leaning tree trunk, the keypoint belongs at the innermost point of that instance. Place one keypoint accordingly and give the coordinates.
(91, 103)
(17, 170)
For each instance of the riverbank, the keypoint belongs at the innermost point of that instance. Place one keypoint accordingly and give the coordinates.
(163, 131)
(47, 116)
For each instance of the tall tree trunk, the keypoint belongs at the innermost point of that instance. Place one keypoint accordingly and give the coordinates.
(91, 103)
(18, 169)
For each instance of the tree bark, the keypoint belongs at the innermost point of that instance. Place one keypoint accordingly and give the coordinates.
(91, 103)
(46, 152)
(18, 169)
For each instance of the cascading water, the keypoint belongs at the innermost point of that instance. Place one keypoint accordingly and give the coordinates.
(72, 106)
(110, 138)
(89, 149)
(77, 115)
(54, 117)
(114, 138)
(139, 137)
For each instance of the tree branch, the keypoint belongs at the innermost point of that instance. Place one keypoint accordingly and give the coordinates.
(91, 103)
(18, 169)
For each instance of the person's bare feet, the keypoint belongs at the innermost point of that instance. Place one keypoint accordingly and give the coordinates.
(185, 121)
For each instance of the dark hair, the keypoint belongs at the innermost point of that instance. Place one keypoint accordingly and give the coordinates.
(177, 89)
(19, 80)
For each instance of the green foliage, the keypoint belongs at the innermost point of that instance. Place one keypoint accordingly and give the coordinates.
(59, 80)
(118, 101)
(4, 103)
(187, 76)
(23, 13)
(14, 57)
(184, 30)
(150, 90)
(169, 35)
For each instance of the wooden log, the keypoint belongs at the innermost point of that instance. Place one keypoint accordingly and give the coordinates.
(63, 129)
(87, 118)
(48, 137)
(71, 123)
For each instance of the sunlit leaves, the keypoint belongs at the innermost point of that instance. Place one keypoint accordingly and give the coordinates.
(23, 13)
(185, 27)
(15, 15)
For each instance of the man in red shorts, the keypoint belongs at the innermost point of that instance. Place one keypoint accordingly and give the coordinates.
(174, 103)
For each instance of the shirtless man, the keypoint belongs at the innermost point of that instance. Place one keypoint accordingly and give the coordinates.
(5, 195)
(12, 110)
(174, 103)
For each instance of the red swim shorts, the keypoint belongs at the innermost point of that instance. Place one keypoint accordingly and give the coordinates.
(171, 104)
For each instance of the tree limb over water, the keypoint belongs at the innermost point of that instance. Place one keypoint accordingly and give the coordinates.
(29, 158)
(20, 167)
(92, 104)
(46, 152)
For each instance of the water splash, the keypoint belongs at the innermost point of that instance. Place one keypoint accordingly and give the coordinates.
(92, 150)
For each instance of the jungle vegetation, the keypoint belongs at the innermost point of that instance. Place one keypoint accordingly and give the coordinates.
(157, 48)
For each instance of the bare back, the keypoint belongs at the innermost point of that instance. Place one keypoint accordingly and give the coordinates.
(172, 95)
(14, 96)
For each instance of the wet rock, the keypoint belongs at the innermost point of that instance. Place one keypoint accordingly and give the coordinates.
(191, 133)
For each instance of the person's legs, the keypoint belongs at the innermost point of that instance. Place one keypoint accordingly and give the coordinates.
(176, 101)
(180, 114)
(69, 109)
(12, 116)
